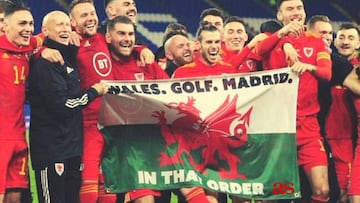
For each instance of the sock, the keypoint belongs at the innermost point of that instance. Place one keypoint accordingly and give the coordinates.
(89, 192)
(197, 195)
(318, 199)
(105, 197)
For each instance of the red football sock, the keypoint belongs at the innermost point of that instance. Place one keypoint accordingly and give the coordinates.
(89, 193)
(106, 197)
(197, 195)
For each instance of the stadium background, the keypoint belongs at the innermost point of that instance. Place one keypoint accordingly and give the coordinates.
(154, 15)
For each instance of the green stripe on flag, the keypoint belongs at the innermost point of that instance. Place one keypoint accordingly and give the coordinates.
(258, 169)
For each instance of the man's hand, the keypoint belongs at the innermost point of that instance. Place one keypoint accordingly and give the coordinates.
(101, 88)
(300, 68)
(52, 55)
(75, 38)
(291, 54)
(294, 28)
(146, 57)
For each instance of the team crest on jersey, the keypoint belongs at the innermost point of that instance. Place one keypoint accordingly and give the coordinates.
(59, 168)
(308, 51)
(102, 64)
(139, 76)
(250, 64)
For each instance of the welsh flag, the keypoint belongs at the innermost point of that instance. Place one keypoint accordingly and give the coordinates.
(231, 133)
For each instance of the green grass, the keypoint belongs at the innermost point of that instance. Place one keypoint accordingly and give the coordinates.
(33, 185)
(32, 176)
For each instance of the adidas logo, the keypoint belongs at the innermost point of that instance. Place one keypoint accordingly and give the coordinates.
(69, 70)
(87, 43)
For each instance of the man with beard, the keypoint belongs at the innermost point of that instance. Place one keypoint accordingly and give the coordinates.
(115, 8)
(313, 64)
(93, 60)
(56, 100)
(121, 38)
(336, 116)
(208, 62)
(121, 35)
(347, 43)
(177, 51)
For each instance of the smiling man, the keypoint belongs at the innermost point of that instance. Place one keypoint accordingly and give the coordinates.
(93, 60)
(234, 49)
(208, 62)
(312, 66)
(115, 8)
(121, 38)
(14, 55)
(56, 101)
(177, 51)
(347, 43)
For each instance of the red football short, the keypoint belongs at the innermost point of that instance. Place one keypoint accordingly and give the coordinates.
(342, 151)
(354, 186)
(135, 194)
(311, 151)
(93, 150)
(14, 164)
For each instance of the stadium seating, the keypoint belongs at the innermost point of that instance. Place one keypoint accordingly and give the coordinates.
(154, 15)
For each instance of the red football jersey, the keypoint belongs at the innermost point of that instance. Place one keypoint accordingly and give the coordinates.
(94, 64)
(130, 70)
(312, 50)
(244, 61)
(198, 68)
(13, 73)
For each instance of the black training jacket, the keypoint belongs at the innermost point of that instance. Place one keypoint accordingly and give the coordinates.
(56, 101)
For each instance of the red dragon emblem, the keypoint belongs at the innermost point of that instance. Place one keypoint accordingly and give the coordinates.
(215, 136)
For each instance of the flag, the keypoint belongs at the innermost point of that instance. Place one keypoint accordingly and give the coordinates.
(232, 133)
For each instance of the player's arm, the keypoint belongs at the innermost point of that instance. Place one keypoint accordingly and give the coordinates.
(145, 55)
(290, 53)
(239, 58)
(322, 69)
(352, 82)
(267, 44)
(52, 55)
(323, 66)
(47, 78)
(292, 29)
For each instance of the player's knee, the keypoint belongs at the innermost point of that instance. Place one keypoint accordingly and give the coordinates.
(322, 191)
(145, 199)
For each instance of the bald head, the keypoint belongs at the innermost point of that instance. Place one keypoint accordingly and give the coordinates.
(178, 49)
(56, 26)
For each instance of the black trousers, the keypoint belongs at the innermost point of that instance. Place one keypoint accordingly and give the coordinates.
(59, 182)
